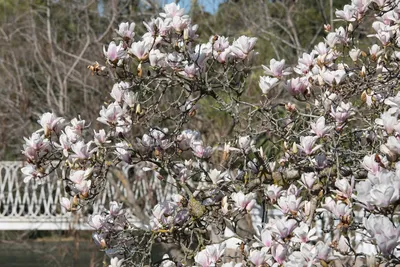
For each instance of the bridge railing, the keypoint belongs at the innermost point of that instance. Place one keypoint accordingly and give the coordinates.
(26, 206)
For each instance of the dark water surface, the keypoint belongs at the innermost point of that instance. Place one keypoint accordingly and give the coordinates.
(66, 253)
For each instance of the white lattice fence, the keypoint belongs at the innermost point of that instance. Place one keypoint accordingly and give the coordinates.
(32, 206)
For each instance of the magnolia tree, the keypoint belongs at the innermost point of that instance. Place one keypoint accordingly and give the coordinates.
(321, 163)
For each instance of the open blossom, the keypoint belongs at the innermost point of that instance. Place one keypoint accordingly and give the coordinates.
(308, 179)
(123, 151)
(345, 188)
(259, 257)
(210, 255)
(388, 121)
(201, 151)
(66, 203)
(111, 114)
(384, 194)
(305, 63)
(304, 234)
(172, 10)
(279, 252)
(342, 112)
(307, 144)
(50, 122)
(96, 221)
(284, 227)
(32, 172)
(333, 77)
(157, 58)
(276, 68)
(158, 26)
(297, 86)
(114, 52)
(126, 30)
(180, 23)
(393, 144)
(35, 147)
(81, 150)
(244, 202)
(273, 192)
(140, 49)
(347, 13)
(267, 83)
(319, 127)
(243, 46)
(382, 230)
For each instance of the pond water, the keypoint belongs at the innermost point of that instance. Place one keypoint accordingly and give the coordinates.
(55, 253)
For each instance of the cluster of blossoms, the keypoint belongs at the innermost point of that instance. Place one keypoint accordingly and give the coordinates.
(321, 170)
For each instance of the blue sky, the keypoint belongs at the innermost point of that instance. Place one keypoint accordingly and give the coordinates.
(210, 6)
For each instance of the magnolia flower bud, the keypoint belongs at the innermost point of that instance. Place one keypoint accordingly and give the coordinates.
(350, 28)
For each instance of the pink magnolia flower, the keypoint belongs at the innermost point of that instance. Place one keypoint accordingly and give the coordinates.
(66, 203)
(32, 172)
(220, 44)
(273, 192)
(382, 230)
(190, 71)
(347, 13)
(158, 26)
(81, 150)
(50, 122)
(140, 49)
(284, 227)
(266, 237)
(35, 147)
(123, 151)
(126, 30)
(393, 144)
(304, 234)
(342, 112)
(114, 52)
(157, 58)
(383, 195)
(180, 23)
(172, 10)
(201, 151)
(77, 176)
(117, 93)
(375, 51)
(96, 221)
(116, 209)
(370, 164)
(388, 121)
(319, 127)
(276, 69)
(307, 144)
(345, 188)
(308, 179)
(210, 255)
(333, 77)
(244, 202)
(305, 63)
(111, 114)
(279, 252)
(297, 86)
(258, 257)
(354, 54)
(267, 83)
(100, 138)
(243, 46)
